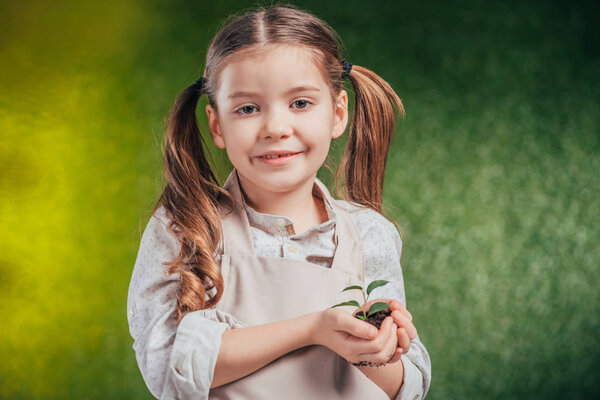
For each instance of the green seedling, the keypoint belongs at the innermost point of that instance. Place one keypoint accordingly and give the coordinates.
(375, 307)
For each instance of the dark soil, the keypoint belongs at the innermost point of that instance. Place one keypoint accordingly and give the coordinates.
(376, 320)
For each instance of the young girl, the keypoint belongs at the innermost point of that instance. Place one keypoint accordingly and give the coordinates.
(232, 289)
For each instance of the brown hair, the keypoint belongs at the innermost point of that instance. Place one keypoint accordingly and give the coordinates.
(192, 194)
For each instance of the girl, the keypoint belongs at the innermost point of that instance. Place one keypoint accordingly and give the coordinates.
(231, 292)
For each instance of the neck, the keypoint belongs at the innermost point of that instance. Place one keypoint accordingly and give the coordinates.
(304, 209)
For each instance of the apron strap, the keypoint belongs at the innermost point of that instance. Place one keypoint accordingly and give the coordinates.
(349, 256)
(237, 238)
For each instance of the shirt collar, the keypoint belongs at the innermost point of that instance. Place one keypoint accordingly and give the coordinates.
(279, 224)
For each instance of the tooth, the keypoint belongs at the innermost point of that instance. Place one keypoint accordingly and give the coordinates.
(269, 156)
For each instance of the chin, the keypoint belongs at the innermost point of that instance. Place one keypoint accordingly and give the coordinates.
(283, 185)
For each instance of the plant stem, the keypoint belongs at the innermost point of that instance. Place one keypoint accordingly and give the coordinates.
(365, 303)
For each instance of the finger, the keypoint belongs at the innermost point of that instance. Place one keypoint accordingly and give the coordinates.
(391, 345)
(403, 341)
(384, 329)
(374, 348)
(397, 355)
(397, 306)
(403, 321)
(358, 328)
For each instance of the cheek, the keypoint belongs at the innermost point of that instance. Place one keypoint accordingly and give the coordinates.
(238, 144)
(234, 134)
(319, 131)
(320, 145)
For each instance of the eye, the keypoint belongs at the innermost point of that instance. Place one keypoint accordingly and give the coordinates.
(302, 103)
(245, 110)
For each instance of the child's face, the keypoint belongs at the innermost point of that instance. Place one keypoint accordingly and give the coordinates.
(272, 117)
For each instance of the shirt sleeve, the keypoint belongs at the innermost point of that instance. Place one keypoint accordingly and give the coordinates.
(382, 249)
(176, 360)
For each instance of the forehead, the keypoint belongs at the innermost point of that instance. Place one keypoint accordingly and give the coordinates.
(269, 71)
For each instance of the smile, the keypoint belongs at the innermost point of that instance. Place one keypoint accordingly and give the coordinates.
(278, 158)
(269, 156)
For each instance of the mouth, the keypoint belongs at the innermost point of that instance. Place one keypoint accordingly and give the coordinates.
(278, 154)
(278, 158)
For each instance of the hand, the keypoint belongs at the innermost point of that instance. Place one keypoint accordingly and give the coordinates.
(387, 352)
(353, 339)
(405, 332)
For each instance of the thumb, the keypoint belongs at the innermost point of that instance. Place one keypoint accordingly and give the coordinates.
(358, 328)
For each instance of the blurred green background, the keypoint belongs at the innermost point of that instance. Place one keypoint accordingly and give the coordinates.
(493, 176)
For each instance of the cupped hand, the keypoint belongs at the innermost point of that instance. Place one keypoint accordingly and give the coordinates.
(387, 351)
(354, 340)
(405, 332)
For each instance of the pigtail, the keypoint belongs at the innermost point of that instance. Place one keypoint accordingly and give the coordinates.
(191, 200)
(373, 125)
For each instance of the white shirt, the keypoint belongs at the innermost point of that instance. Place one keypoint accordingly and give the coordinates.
(177, 361)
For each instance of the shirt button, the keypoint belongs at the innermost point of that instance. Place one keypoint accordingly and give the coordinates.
(293, 248)
(281, 223)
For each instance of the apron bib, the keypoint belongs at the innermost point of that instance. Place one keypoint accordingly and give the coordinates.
(259, 290)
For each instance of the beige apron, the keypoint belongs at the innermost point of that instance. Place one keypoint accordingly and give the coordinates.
(259, 290)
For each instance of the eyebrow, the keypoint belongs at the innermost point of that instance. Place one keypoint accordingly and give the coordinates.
(291, 91)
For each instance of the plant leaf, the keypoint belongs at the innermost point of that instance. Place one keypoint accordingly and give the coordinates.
(352, 287)
(361, 317)
(348, 303)
(379, 306)
(375, 284)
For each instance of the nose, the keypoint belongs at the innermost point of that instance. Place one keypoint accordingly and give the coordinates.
(276, 126)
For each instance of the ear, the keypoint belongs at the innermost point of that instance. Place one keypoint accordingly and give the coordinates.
(341, 114)
(213, 124)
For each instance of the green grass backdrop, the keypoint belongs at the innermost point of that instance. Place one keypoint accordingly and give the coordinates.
(493, 175)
